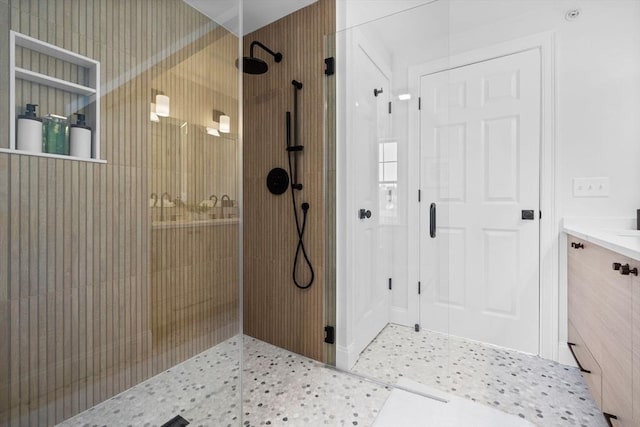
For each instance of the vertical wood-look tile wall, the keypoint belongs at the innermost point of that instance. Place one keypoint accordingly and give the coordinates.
(93, 297)
(274, 309)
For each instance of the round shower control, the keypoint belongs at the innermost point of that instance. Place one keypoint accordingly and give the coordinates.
(277, 181)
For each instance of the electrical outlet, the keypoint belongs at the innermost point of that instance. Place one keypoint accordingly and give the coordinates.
(591, 187)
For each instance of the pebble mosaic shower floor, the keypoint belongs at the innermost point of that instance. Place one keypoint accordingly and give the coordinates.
(280, 389)
(285, 389)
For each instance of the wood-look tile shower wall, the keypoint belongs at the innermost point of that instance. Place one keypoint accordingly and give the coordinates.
(94, 298)
(274, 309)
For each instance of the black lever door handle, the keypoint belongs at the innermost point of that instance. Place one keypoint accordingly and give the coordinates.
(528, 215)
(432, 221)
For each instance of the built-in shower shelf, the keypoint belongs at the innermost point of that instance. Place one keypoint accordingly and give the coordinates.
(49, 155)
(43, 79)
(89, 105)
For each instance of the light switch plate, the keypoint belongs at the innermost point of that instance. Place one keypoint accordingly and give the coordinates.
(591, 187)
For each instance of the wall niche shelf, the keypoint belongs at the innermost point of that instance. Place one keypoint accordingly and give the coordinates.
(90, 106)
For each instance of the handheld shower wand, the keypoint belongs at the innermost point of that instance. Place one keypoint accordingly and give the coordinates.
(292, 150)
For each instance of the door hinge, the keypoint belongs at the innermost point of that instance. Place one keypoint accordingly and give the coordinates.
(330, 66)
(419, 195)
(390, 284)
(419, 103)
(329, 335)
(389, 107)
(419, 288)
(539, 214)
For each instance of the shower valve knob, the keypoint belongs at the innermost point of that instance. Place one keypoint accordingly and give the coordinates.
(364, 213)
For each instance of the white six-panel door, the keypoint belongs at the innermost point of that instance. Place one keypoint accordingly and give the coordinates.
(480, 151)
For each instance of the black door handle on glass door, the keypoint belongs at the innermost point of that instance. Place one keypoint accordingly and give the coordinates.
(432, 221)
(364, 213)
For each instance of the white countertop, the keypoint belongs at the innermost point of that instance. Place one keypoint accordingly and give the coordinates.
(195, 223)
(616, 234)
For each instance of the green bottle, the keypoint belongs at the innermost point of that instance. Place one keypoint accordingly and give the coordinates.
(55, 134)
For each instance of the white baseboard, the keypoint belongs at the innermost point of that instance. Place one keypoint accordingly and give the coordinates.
(345, 358)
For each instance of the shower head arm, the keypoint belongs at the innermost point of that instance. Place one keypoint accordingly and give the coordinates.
(277, 56)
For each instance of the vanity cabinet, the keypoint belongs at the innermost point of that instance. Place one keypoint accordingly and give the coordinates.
(604, 317)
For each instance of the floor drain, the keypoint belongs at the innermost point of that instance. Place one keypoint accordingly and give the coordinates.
(176, 421)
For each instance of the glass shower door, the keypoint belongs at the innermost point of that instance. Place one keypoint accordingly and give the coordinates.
(368, 246)
(380, 219)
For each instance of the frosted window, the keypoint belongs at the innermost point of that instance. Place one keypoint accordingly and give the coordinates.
(390, 152)
(388, 162)
(391, 172)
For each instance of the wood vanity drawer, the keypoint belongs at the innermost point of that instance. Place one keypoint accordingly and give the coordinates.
(587, 362)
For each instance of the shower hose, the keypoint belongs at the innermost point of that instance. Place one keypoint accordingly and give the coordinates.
(300, 228)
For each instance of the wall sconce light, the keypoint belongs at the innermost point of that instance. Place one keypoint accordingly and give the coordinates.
(225, 124)
(162, 105)
(223, 120)
(213, 131)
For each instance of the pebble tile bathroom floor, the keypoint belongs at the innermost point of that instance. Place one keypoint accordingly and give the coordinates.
(541, 391)
(285, 389)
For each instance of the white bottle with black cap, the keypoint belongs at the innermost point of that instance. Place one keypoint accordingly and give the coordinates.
(29, 133)
(80, 139)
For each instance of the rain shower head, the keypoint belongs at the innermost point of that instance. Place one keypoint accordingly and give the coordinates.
(253, 65)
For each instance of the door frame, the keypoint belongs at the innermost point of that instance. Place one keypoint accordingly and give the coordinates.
(549, 313)
(347, 352)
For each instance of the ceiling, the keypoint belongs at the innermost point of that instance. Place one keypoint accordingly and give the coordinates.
(256, 13)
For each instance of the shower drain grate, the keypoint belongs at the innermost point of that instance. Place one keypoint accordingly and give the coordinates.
(176, 421)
